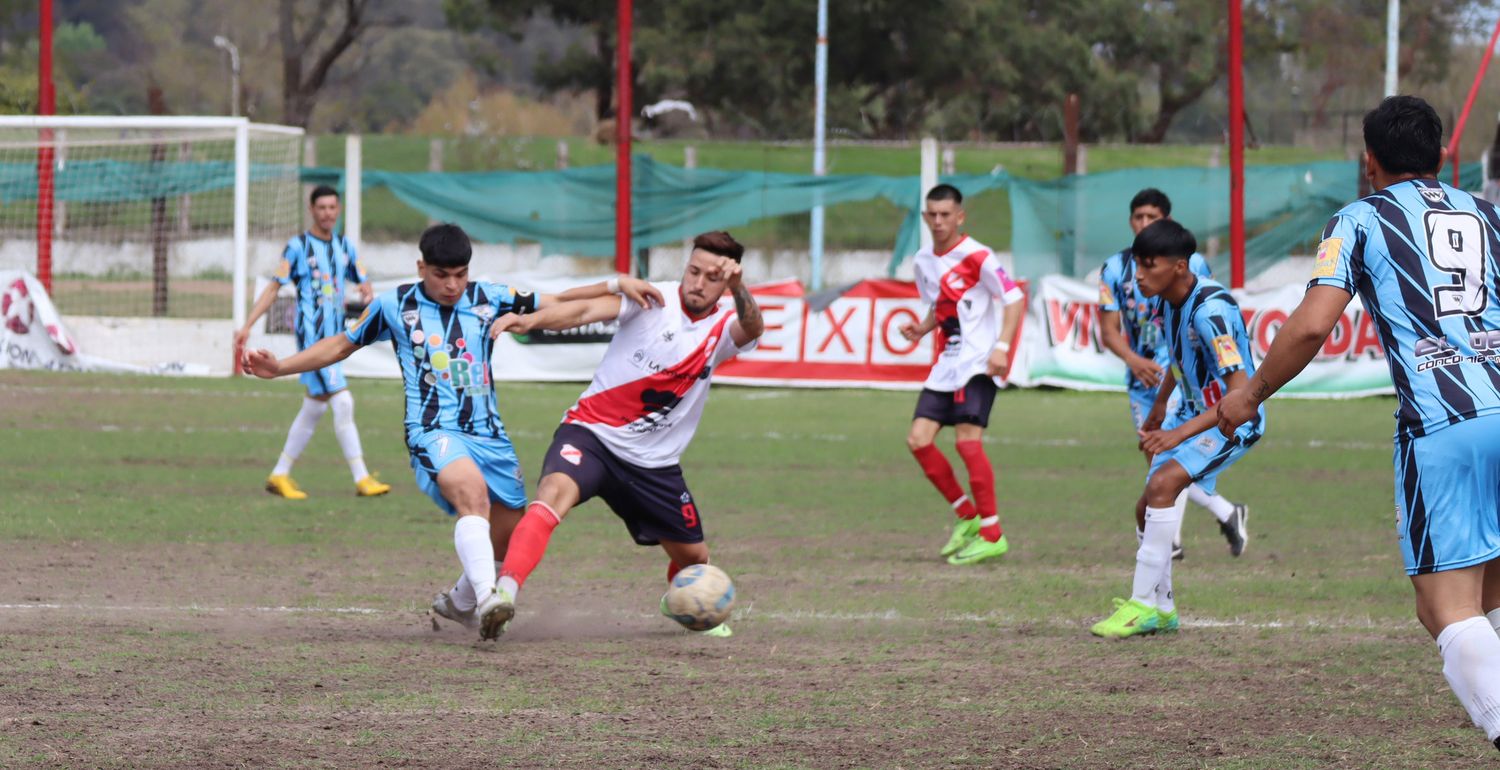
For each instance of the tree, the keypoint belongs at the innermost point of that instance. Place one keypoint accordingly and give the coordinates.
(304, 64)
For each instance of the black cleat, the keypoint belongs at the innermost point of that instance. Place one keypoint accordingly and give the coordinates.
(1234, 529)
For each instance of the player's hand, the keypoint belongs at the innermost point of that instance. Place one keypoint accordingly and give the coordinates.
(1154, 442)
(261, 363)
(241, 336)
(367, 292)
(913, 331)
(510, 322)
(1147, 371)
(729, 271)
(999, 364)
(1235, 409)
(641, 292)
(1154, 419)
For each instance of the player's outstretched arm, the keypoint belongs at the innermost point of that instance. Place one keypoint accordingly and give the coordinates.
(262, 304)
(1147, 371)
(1297, 343)
(636, 290)
(563, 315)
(329, 350)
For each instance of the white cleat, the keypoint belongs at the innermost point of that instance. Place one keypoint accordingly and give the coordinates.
(443, 607)
(494, 613)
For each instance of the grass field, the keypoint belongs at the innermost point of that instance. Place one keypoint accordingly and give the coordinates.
(158, 610)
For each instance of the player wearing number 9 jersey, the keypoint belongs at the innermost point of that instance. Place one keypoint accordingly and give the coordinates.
(1422, 257)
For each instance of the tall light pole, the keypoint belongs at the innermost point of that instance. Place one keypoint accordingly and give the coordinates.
(234, 72)
(1392, 43)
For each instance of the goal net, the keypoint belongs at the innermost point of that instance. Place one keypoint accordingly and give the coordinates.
(149, 249)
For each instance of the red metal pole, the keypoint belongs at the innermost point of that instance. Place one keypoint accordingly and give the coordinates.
(623, 246)
(45, 157)
(1463, 117)
(1236, 148)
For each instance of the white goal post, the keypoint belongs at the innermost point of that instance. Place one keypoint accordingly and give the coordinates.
(155, 222)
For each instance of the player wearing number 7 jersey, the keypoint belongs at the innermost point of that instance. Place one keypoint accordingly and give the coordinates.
(1205, 333)
(1422, 257)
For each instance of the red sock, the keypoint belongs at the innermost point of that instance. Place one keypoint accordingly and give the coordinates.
(672, 569)
(529, 541)
(982, 481)
(940, 473)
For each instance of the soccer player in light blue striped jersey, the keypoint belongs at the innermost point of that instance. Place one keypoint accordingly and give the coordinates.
(1210, 348)
(439, 328)
(319, 265)
(1422, 256)
(1130, 327)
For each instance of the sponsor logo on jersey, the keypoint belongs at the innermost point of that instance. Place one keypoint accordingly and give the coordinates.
(1434, 194)
(485, 312)
(1227, 352)
(1440, 353)
(409, 317)
(1106, 297)
(686, 498)
(571, 454)
(1327, 263)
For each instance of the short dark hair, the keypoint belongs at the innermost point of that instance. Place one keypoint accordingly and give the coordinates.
(946, 192)
(1405, 135)
(319, 192)
(720, 243)
(445, 245)
(1152, 197)
(1164, 238)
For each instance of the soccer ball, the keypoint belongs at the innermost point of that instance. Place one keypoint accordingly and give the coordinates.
(700, 597)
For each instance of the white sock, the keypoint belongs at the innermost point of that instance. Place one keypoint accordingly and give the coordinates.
(462, 593)
(1154, 557)
(471, 538)
(1471, 664)
(1494, 618)
(1218, 505)
(343, 427)
(299, 434)
(1165, 600)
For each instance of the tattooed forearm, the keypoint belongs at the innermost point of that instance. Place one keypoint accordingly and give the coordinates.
(1261, 390)
(749, 312)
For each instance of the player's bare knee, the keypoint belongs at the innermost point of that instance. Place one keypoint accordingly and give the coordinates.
(557, 492)
(1164, 487)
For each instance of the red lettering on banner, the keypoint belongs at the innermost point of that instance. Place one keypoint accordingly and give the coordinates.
(1075, 320)
(1340, 339)
(836, 329)
(885, 332)
(767, 308)
(1265, 330)
(1366, 340)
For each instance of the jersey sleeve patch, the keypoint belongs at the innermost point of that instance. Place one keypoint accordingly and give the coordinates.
(1227, 353)
(1106, 297)
(1327, 263)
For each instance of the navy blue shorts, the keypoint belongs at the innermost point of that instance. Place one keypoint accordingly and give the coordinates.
(654, 503)
(969, 405)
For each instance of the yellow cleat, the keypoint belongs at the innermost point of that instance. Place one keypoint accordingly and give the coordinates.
(283, 486)
(370, 486)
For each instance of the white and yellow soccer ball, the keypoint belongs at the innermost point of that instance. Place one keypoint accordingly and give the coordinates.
(701, 597)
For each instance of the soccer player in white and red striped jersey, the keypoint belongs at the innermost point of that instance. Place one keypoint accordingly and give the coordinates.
(976, 310)
(623, 438)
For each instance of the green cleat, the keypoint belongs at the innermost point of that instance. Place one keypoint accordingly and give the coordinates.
(963, 532)
(1131, 618)
(980, 549)
(1166, 622)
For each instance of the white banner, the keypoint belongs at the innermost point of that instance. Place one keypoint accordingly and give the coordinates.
(1062, 345)
(32, 335)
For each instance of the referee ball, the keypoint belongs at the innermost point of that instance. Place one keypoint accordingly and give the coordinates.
(701, 597)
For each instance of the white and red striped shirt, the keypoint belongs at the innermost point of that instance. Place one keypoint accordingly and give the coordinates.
(965, 285)
(649, 390)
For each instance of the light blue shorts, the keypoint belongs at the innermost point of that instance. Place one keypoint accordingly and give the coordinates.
(1206, 455)
(1448, 496)
(432, 451)
(324, 382)
(1141, 402)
